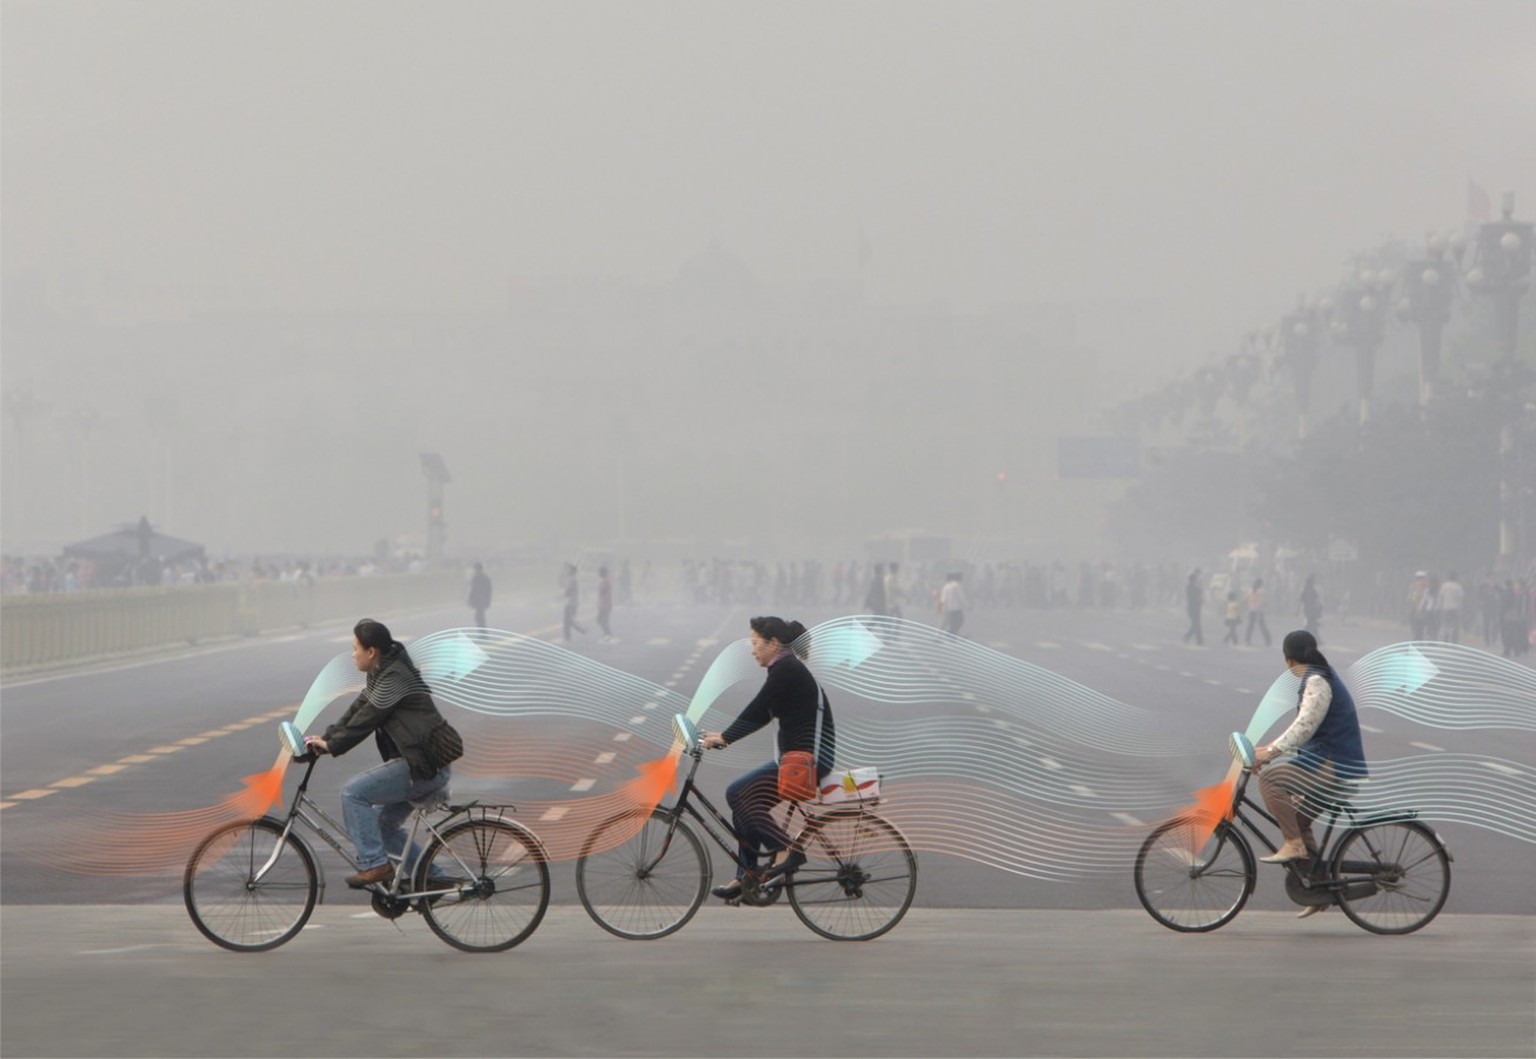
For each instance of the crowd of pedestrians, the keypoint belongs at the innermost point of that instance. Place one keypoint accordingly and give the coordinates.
(20, 575)
(1501, 610)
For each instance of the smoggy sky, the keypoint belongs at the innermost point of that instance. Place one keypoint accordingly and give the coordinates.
(1196, 165)
(1213, 158)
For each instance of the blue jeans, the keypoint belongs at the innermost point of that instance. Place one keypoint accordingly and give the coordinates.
(374, 805)
(752, 798)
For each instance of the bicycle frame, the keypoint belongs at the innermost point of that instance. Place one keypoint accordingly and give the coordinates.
(306, 810)
(1306, 870)
(684, 804)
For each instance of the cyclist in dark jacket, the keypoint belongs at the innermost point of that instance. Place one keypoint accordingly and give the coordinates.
(792, 697)
(413, 738)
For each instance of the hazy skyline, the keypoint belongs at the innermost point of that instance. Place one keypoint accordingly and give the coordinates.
(1189, 166)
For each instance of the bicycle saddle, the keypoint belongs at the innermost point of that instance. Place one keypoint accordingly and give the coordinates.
(436, 800)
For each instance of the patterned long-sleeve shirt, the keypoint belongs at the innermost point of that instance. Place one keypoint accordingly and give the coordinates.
(1316, 697)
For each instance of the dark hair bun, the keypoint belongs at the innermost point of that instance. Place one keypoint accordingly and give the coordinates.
(770, 627)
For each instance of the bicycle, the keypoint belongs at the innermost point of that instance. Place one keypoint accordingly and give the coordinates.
(1388, 872)
(482, 883)
(643, 875)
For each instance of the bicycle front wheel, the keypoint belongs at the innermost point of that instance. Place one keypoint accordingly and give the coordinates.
(1394, 877)
(858, 879)
(247, 889)
(642, 877)
(501, 877)
(1192, 882)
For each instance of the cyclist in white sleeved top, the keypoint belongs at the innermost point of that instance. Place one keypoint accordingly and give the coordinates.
(1325, 739)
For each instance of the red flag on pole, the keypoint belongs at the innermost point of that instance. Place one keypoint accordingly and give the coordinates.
(1479, 204)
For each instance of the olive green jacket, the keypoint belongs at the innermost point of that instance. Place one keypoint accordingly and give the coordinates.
(396, 706)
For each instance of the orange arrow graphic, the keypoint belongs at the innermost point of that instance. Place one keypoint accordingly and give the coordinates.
(262, 789)
(655, 779)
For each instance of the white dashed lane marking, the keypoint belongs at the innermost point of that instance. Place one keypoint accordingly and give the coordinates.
(1507, 770)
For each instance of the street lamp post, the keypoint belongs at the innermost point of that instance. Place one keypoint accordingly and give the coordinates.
(1426, 300)
(1360, 319)
(1243, 370)
(1501, 271)
(436, 470)
(1298, 338)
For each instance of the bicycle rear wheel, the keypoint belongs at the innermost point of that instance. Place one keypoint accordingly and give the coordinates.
(642, 877)
(231, 905)
(1191, 883)
(1395, 877)
(503, 885)
(858, 879)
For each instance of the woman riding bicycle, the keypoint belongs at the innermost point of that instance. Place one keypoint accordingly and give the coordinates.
(1326, 738)
(414, 740)
(791, 695)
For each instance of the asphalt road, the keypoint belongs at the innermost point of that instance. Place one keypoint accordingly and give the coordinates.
(86, 981)
(988, 962)
(161, 738)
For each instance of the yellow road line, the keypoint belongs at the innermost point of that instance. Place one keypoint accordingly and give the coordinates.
(73, 781)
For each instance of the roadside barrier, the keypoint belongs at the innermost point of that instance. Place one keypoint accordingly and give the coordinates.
(58, 628)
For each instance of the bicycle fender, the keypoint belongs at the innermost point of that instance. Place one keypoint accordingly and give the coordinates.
(1396, 816)
(303, 843)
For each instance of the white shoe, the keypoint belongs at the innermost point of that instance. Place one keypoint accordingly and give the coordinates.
(1312, 910)
(1290, 851)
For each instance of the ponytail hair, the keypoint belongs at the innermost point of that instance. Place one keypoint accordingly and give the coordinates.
(375, 634)
(789, 633)
(1301, 646)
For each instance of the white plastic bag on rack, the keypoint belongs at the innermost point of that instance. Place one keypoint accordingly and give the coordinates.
(849, 785)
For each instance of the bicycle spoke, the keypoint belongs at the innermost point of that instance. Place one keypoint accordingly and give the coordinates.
(859, 877)
(1185, 889)
(236, 910)
(1406, 890)
(642, 877)
(501, 886)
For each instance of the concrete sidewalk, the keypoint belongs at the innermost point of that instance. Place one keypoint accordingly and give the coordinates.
(140, 981)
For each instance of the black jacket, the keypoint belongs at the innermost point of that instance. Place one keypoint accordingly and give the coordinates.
(789, 695)
(397, 707)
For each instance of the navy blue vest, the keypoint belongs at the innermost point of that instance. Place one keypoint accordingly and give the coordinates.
(1337, 738)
